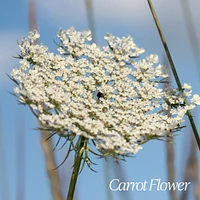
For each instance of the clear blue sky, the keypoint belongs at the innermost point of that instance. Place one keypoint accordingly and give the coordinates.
(120, 18)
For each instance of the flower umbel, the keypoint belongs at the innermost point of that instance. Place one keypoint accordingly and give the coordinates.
(107, 95)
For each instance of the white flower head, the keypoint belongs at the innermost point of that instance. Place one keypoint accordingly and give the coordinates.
(107, 95)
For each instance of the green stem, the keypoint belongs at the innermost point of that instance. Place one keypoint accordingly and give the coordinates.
(173, 69)
(77, 163)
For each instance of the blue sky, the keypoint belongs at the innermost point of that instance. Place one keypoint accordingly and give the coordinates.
(120, 18)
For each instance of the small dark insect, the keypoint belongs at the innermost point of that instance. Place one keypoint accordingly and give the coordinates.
(100, 95)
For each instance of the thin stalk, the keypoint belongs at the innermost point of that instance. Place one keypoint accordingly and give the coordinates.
(20, 157)
(191, 31)
(173, 69)
(170, 156)
(90, 18)
(4, 182)
(50, 164)
(107, 177)
(190, 173)
(46, 144)
(77, 164)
